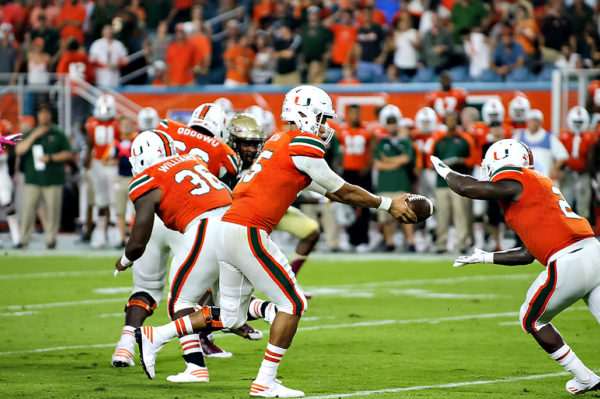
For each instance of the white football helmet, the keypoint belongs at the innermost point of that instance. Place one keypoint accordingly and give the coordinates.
(492, 111)
(507, 152)
(147, 119)
(227, 107)
(264, 117)
(105, 107)
(149, 148)
(309, 108)
(578, 120)
(426, 120)
(518, 108)
(389, 111)
(212, 118)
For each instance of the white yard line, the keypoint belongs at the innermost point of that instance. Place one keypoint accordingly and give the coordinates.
(450, 385)
(431, 320)
(18, 314)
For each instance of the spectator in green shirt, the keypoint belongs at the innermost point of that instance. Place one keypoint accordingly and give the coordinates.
(470, 14)
(316, 44)
(395, 160)
(452, 148)
(43, 151)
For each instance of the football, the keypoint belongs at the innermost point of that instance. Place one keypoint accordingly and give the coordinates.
(421, 206)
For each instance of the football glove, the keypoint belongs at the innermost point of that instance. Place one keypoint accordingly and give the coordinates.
(440, 167)
(478, 256)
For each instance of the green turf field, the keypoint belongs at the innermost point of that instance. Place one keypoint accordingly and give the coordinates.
(374, 328)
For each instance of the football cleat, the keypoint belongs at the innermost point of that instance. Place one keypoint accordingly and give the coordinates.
(209, 348)
(274, 390)
(248, 332)
(123, 357)
(149, 343)
(576, 387)
(192, 373)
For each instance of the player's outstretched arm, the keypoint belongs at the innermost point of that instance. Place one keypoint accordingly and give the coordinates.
(512, 257)
(141, 229)
(467, 186)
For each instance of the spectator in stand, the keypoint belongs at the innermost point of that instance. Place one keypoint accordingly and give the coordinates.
(394, 159)
(344, 38)
(15, 13)
(477, 47)
(48, 9)
(591, 45)
(161, 41)
(50, 35)
(102, 15)
(263, 68)
(406, 47)
(43, 152)
(452, 147)
(286, 46)
(70, 20)
(508, 55)
(156, 11)
(123, 152)
(436, 46)
(262, 12)
(238, 60)
(136, 8)
(568, 59)
(108, 55)
(556, 29)
(348, 76)
(316, 44)
(180, 11)
(180, 59)
(371, 39)
(159, 69)
(579, 14)
(9, 58)
(527, 31)
(202, 50)
(358, 144)
(470, 14)
(38, 64)
(74, 61)
(125, 25)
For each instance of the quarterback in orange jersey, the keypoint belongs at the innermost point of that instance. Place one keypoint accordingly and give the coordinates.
(447, 99)
(567, 247)
(575, 182)
(290, 161)
(151, 269)
(102, 130)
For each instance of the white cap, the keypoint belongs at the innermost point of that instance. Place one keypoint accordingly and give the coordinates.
(159, 64)
(406, 122)
(535, 114)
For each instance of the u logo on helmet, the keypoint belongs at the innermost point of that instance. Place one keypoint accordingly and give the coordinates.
(499, 158)
(296, 101)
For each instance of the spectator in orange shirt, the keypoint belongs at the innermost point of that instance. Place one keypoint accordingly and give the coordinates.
(70, 20)
(180, 59)
(238, 60)
(202, 51)
(348, 77)
(74, 61)
(344, 38)
(262, 11)
(181, 12)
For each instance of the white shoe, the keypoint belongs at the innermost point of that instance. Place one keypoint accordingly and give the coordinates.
(274, 390)
(150, 343)
(123, 356)
(192, 373)
(577, 387)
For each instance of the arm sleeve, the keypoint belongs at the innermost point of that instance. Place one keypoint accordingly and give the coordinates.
(315, 188)
(320, 172)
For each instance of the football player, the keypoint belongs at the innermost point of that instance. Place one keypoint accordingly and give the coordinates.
(518, 108)
(447, 99)
(264, 117)
(246, 138)
(102, 130)
(575, 182)
(7, 140)
(288, 163)
(567, 248)
(147, 119)
(593, 104)
(203, 138)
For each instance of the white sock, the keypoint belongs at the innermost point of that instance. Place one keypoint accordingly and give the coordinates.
(176, 328)
(127, 339)
(190, 343)
(260, 309)
(13, 227)
(101, 227)
(569, 360)
(270, 363)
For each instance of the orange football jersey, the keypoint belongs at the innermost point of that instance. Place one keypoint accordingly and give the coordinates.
(594, 92)
(219, 156)
(264, 194)
(578, 147)
(103, 135)
(541, 216)
(446, 101)
(188, 189)
(356, 147)
(479, 131)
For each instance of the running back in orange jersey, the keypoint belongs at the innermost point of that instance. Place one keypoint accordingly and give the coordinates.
(541, 216)
(446, 101)
(356, 147)
(103, 135)
(264, 194)
(221, 159)
(578, 147)
(188, 189)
